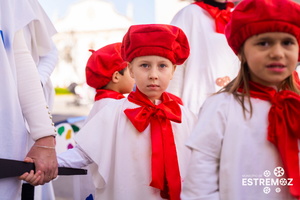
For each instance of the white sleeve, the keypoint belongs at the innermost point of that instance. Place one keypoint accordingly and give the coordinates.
(30, 91)
(74, 158)
(47, 64)
(202, 180)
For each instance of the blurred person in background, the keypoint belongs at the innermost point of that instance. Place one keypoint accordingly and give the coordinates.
(211, 64)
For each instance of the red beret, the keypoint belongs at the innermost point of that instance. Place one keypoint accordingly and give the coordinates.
(155, 39)
(102, 64)
(252, 17)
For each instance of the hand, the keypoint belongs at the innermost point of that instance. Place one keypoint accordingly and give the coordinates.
(31, 177)
(44, 159)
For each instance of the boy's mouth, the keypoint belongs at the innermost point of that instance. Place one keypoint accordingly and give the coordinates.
(152, 86)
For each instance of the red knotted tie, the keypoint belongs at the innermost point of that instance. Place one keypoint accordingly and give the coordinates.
(221, 17)
(102, 93)
(284, 127)
(165, 169)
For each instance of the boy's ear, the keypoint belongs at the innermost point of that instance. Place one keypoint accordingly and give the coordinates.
(115, 77)
(174, 68)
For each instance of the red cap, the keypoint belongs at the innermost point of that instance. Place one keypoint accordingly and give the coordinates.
(252, 17)
(155, 39)
(102, 64)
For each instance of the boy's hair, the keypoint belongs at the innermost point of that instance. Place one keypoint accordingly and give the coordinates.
(122, 71)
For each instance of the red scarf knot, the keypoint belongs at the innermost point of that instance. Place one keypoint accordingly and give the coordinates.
(164, 161)
(103, 93)
(284, 127)
(221, 17)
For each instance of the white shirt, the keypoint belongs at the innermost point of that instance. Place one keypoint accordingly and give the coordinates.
(211, 61)
(231, 156)
(121, 155)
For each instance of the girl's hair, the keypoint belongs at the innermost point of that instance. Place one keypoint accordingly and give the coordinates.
(242, 80)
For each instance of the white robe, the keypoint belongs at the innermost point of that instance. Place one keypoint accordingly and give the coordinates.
(98, 105)
(230, 154)
(211, 59)
(38, 35)
(122, 155)
(21, 93)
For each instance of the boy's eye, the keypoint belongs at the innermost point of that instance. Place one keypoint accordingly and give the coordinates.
(144, 65)
(162, 65)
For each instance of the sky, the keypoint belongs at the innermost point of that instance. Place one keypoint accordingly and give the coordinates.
(143, 9)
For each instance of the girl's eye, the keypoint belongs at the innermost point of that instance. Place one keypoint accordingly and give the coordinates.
(288, 42)
(263, 43)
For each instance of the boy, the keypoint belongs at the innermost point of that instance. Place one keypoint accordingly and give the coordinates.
(137, 145)
(107, 73)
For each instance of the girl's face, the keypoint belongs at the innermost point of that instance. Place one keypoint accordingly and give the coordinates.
(271, 57)
(152, 75)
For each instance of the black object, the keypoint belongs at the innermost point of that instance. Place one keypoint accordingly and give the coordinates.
(13, 168)
(27, 192)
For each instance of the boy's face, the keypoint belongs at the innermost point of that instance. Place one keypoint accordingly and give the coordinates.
(152, 74)
(271, 57)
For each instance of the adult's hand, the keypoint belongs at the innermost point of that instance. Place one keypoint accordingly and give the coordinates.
(43, 155)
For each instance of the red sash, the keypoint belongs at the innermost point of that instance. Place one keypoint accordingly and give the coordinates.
(221, 17)
(102, 93)
(164, 161)
(284, 127)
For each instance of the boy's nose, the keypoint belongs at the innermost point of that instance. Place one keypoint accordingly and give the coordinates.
(153, 73)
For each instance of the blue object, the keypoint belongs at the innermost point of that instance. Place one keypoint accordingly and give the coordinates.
(90, 197)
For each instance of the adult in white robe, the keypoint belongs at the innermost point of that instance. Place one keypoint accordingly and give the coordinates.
(22, 96)
(38, 36)
(120, 155)
(211, 63)
(231, 156)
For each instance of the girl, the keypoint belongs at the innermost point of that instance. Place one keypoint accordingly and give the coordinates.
(245, 145)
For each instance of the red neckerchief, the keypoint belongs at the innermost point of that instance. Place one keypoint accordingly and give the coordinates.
(221, 17)
(164, 161)
(103, 93)
(284, 127)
